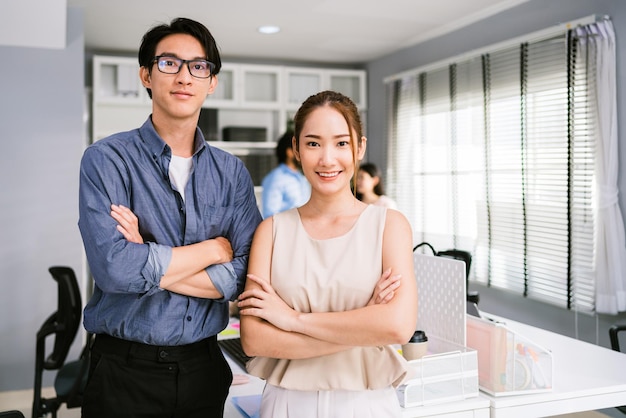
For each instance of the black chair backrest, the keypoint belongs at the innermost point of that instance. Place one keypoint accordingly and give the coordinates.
(11, 414)
(66, 318)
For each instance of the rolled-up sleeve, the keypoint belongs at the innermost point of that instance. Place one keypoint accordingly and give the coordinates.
(224, 279)
(159, 258)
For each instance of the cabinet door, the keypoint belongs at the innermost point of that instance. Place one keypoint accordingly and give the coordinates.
(301, 83)
(227, 92)
(261, 86)
(120, 102)
(349, 82)
(116, 80)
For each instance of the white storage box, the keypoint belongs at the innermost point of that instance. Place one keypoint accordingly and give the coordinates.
(449, 372)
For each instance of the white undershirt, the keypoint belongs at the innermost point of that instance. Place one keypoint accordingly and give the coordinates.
(180, 168)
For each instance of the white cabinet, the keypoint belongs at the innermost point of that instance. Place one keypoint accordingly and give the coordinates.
(244, 86)
(300, 83)
(226, 93)
(249, 98)
(118, 80)
(120, 102)
(352, 83)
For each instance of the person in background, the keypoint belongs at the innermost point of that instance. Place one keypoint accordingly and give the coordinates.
(370, 188)
(330, 285)
(167, 222)
(284, 187)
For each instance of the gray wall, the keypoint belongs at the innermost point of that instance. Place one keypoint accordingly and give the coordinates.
(43, 136)
(526, 18)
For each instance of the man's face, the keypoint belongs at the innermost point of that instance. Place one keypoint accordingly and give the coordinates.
(178, 95)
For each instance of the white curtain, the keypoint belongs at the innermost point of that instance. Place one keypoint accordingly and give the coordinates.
(599, 41)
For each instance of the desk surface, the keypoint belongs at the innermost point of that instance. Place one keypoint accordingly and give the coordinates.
(477, 407)
(586, 377)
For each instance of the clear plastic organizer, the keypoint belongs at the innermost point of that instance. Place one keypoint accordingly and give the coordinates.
(508, 363)
(449, 372)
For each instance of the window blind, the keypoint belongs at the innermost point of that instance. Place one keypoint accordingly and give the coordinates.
(494, 154)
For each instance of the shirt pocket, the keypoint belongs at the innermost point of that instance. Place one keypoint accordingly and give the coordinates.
(216, 221)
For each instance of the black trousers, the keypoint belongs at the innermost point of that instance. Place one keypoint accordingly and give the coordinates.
(133, 380)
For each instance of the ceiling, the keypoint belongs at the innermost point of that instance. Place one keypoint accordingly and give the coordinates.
(325, 31)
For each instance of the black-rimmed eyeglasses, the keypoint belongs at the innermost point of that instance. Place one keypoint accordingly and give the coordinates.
(172, 65)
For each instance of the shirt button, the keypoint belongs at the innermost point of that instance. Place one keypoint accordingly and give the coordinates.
(189, 318)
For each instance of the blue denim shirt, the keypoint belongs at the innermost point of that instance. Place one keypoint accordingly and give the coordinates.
(131, 169)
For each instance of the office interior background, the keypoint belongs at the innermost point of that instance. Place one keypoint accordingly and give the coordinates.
(43, 132)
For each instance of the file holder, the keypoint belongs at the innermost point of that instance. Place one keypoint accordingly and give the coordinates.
(508, 363)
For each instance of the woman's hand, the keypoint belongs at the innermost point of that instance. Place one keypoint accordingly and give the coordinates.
(384, 290)
(127, 223)
(263, 302)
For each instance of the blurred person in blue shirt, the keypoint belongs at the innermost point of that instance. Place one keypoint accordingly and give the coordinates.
(167, 222)
(284, 187)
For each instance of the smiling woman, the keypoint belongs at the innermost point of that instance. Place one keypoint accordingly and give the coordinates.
(325, 344)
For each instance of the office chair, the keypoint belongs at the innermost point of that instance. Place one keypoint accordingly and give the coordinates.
(63, 325)
(11, 414)
(613, 335)
(465, 257)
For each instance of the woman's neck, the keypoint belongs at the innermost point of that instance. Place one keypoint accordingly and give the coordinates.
(332, 206)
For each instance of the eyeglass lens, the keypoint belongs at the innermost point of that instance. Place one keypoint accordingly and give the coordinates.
(197, 68)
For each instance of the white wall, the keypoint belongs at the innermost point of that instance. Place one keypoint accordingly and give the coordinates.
(42, 138)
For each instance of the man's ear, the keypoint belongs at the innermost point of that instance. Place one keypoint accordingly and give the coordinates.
(144, 76)
(212, 84)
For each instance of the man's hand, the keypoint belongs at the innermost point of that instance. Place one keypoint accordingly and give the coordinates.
(223, 250)
(127, 223)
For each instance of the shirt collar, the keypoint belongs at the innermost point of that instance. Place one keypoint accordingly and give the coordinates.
(157, 146)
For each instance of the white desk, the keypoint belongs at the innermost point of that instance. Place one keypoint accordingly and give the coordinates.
(586, 377)
(477, 407)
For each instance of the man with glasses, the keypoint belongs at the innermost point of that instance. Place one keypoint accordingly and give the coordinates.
(166, 222)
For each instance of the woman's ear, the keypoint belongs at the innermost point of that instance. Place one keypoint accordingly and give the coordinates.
(362, 148)
(294, 148)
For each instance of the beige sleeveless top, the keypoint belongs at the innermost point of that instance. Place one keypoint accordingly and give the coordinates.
(330, 275)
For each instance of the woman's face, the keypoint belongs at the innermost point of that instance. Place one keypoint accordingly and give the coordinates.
(325, 151)
(365, 183)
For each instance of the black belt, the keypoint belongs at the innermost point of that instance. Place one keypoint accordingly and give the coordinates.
(163, 354)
